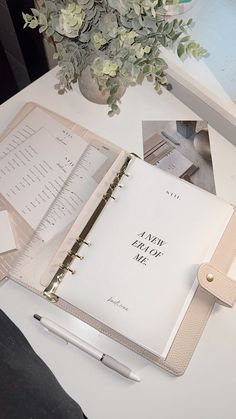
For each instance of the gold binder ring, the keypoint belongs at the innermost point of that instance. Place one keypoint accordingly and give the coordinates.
(67, 269)
(116, 177)
(79, 256)
(105, 197)
(79, 240)
(76, 255)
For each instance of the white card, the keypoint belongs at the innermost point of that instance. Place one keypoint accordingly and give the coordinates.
(7, 239)
(174, 163)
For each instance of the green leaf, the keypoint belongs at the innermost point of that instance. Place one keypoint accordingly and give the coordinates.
(185, 39)
(42, 19)
(84, 37)
(137, 9)
(158, 87)
(176, 36)
(180, 50)
(26, 16)
(190, 22)
(33, 23)
(166, 26)
(110, 100)
(204, 52)
(114, 107)
(191, 45)
(146, 69)
(171, 26)
(195, 53)
(114, 89)
(35, 12)
(50, 6)
(42, 29)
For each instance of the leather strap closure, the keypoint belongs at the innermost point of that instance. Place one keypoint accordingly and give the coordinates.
(218, 284)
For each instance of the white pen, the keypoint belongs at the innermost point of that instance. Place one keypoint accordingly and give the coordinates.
(86, 347)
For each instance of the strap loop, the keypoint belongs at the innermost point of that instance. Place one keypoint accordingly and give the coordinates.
(218, 284)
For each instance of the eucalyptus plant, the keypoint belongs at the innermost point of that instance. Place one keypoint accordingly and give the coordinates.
(119, 40)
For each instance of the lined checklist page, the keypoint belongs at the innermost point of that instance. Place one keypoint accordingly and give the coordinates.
(33, 174)
(36, 160)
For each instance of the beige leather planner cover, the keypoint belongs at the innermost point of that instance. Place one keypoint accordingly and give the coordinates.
(214, 284)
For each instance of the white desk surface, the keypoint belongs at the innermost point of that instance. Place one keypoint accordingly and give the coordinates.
(208, 388)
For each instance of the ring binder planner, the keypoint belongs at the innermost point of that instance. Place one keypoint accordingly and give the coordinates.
(76, 255)
(69, 291)
(67, 268)
(134, 269)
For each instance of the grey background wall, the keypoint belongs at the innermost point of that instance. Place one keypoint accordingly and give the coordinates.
(11, 47)
(23, 48)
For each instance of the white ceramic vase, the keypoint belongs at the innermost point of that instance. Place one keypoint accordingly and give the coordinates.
(89, 88)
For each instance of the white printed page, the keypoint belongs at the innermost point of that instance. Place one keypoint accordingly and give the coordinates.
(30, 125)
(75, 193)
(33, 174)
(39, 159)
(138, 275)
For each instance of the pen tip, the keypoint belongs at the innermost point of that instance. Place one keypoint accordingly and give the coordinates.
(134, 377)
(37, 317)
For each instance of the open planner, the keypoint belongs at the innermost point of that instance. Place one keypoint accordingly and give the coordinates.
(131, 250)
